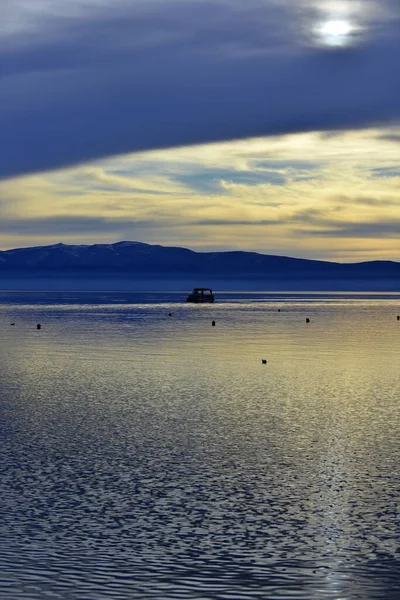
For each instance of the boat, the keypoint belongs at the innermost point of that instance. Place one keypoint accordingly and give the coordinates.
(201, 296)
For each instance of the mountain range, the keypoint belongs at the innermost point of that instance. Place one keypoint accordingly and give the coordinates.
(136, 263)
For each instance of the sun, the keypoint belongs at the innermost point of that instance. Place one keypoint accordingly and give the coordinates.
(335, 33)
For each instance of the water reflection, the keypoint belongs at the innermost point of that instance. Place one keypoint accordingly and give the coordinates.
(149, 457)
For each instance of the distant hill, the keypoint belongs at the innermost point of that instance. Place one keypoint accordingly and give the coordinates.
(133, 262)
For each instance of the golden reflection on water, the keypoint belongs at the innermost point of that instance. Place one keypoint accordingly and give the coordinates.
(168, 440)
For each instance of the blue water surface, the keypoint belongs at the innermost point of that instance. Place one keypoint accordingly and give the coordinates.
(153, 456)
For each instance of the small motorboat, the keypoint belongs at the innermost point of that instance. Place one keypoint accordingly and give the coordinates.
(201, 295)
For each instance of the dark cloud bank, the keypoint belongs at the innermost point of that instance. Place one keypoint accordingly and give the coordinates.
(167, 73)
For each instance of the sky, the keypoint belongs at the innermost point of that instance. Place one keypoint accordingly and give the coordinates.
(265, 125)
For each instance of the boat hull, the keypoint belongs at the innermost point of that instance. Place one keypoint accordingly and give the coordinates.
(200, 300)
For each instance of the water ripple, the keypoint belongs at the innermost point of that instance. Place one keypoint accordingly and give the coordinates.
(149, 457)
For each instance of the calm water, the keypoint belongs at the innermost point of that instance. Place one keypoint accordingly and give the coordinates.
(147, 456)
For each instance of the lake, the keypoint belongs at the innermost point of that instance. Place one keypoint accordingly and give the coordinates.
(153, 456)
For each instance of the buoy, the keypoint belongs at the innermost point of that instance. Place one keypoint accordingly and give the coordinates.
(38, 326)
(170, 314)
(213, 323)
(307, 320)
(279, 310)
(264, 361)
(12, 324)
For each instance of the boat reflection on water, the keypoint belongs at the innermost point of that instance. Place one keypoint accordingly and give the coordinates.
(201, 295)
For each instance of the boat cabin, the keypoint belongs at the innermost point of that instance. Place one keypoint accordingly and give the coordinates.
(201, 295)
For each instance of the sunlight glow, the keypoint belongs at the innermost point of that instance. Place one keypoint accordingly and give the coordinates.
(335, 33)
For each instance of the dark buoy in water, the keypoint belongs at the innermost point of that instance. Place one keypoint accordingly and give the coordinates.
(307, 320)
(264, 361)
(279, 310)
(12, 324)
(213, 323)
(38, 326)
(170, 314)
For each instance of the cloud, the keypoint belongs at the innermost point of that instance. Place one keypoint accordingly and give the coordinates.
(378, 202)
(81, 80)
(377, 230)
(59, 226)
(334, 197)
(395, 137)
